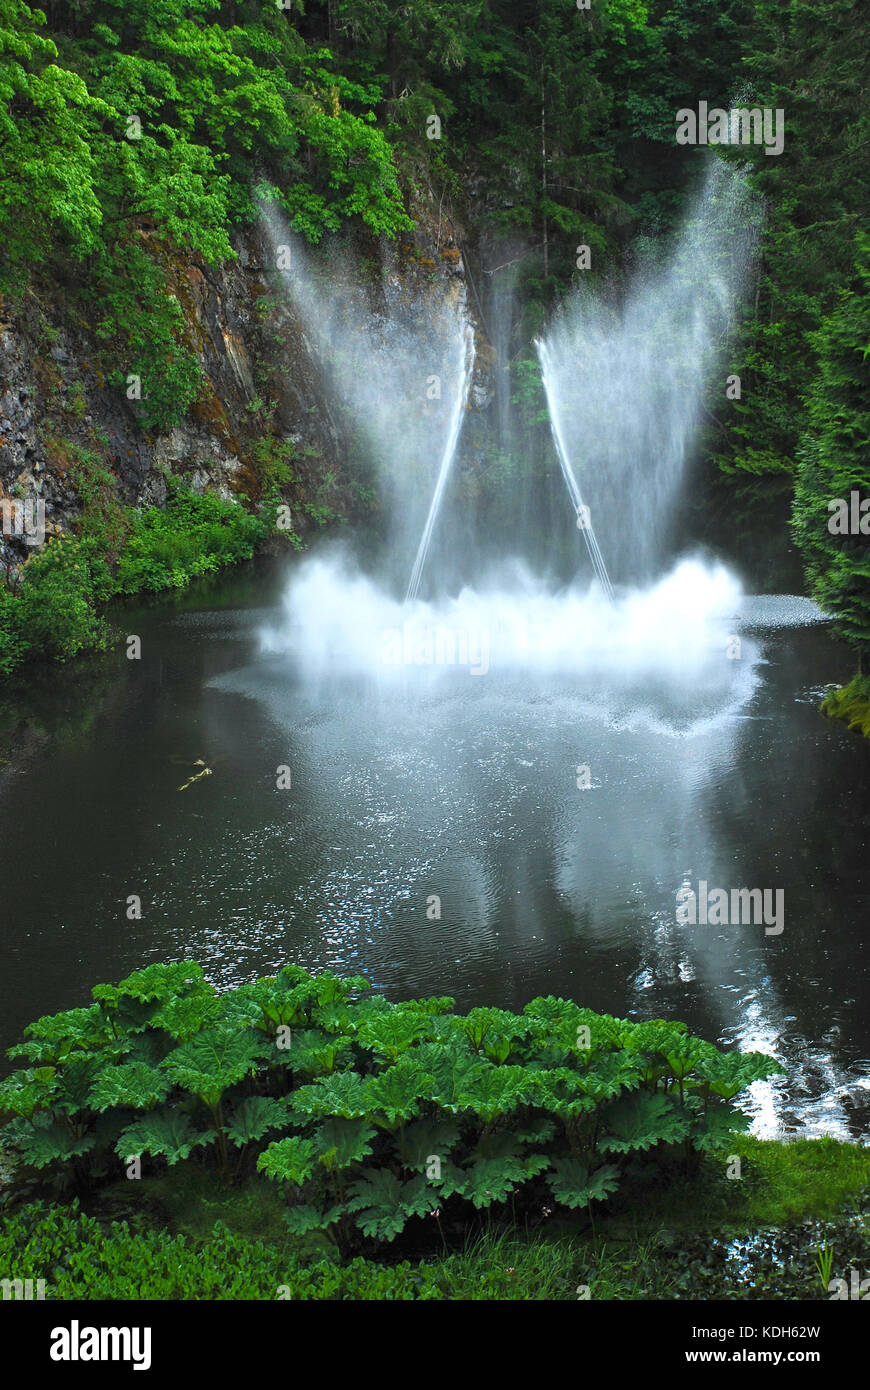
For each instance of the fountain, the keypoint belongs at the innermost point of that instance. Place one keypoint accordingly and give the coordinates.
(584, 516)
(625, 382)
(392, 373)
(446, 461)
(624, 386)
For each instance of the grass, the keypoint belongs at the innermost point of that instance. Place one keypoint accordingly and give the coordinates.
(780, 1183)
(663, 1238)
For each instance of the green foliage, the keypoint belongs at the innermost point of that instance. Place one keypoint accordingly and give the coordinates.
(168, 1133)
(833, 463)
(143, 326)
(208, 97)
(411, 1108)
(80, 1258)
(132, 1084)
(292, 1160)
(572, 1185)
(851, 704)
(55, 611)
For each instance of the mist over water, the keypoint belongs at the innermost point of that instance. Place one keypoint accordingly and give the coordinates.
(659, 653)
(398, 373)
(626, 381)
(625, 385)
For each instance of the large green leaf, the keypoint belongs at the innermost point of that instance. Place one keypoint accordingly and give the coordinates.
(482, 1023)
(429, 1138)
(253, 1117)
(166, 1133)
(452, 1070)
(718, 1129)
(290, 1160)
(642, 1121)
(494, 1178)
(731, 1072)
(46, 1141)
(77, 1077)
(540, 1129)
(572, 1184)
(496, 1091)
(302, 1219)
(281, 1003)
(212, 1062)
(395, 1093)
(26, 1091)
(184, 1016)
(157, 981)
(341, 1094)
(384, 1204)
(343, 1142)
(561, 1091)
(389, 1035)
(76, 1028)
(313, 1052)
(332, 990)
(133, 1084)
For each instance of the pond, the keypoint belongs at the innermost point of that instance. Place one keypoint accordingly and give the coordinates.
(439, 838)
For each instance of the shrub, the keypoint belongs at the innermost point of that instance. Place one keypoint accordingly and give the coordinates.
(369, 1115)
(54, 613)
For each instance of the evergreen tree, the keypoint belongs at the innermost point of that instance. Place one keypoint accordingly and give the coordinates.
(835, 464)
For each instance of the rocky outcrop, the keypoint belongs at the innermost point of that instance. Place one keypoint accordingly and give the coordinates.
(262, 391)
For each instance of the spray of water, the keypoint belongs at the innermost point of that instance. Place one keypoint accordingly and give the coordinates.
(626, 382)
(584, 515)
(397, 369)
(446, 461)
(625, 387)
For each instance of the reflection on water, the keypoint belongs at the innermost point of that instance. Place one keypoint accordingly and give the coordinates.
(465, 789)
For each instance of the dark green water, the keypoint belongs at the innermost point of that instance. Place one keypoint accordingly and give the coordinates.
(467, 791)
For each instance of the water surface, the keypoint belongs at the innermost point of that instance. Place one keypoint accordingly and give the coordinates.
(462, 789)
